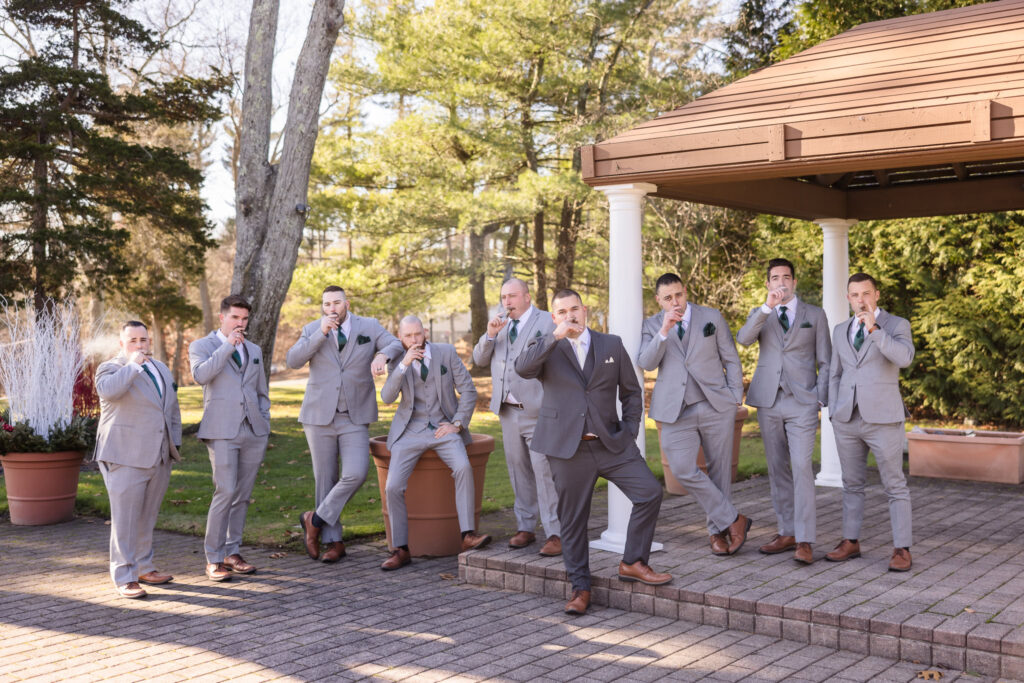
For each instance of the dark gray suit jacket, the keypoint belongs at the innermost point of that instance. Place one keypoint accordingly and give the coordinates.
(576, 398)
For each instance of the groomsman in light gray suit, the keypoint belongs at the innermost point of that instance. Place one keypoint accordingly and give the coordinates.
(579, 429)
(342, 350)
(867, 413)
(789, 385)
(516, 401)
(699, 386)
(429, 416)
(138, 437)
(235, 427)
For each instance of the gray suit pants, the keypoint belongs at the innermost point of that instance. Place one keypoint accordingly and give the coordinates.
(574, 480)
(788, 429)
(236, 463)
(351, 442)
(532, 485)
(853, 440)
(699, 424)
(135, 496)
(404, 455)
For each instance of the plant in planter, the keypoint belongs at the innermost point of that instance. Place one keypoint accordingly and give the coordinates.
(42, 440)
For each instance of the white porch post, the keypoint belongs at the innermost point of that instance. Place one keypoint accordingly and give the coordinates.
(625, 317)
(835, 271)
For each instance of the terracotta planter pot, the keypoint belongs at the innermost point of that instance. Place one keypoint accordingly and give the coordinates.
(430, 497)
(672, 484)
(41, 487)
(951, 454)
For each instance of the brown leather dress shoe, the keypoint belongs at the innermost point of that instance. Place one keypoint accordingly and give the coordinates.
(399, 558)
(155, 578)
(522, 539)
(738, 533)
(579, 603)
(131, 590)
(335, 551)
(803, 553)
(310, 534)
(218, 571)
(719, 546)
(639, 571)
(552, 547)
(900, 561)
(473, 540)
(239, 566)
(778, 544)
(844, 551)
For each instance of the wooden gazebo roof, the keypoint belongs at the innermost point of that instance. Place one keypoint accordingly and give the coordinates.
(916, 116)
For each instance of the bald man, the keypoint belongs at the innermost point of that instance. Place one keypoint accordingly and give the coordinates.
(429, 416)
(516, 402)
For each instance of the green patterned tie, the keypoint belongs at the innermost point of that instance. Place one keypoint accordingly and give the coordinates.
(783, 318)
(858, 339)
(237, 357)
(679, 329)
(155, 383)
(513, 334)
(423, 371)
(342, 340)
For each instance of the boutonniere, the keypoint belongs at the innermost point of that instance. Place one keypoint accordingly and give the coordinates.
(444, 370)
(537, 335)
(362, 339)
(709, 329)
(805, 324)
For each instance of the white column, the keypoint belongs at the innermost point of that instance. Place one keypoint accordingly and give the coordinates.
(625, 317)
(835, 271)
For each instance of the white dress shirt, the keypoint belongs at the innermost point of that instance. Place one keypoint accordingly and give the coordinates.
(790, 310)
(856, 326)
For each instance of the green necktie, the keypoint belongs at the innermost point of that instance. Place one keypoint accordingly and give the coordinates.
(423, 371)
(237, 357)
(155, 383)
(342, 340)
(679, 329)
(513, 334)
(783, 318)
(858, 339)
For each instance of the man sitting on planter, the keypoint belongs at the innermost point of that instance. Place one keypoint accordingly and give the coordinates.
(137, 439)
(429, 416)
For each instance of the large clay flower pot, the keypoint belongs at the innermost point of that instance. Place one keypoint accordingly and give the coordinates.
(430, 497)
(41, 487)
(672, 484)
(975, 455)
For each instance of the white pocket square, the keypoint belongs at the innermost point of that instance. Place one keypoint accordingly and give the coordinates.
(610, 360)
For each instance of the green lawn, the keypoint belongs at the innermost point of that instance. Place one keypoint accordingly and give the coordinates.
(285, 486)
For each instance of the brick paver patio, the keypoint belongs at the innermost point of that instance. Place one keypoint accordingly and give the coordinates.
(299, 620)
(961, 606)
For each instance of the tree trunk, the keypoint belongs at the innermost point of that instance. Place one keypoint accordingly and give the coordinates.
(179, 350)
(510, 247)
(565, 243)
(156, 334)
(477, 277)
(540, 263)
(209, 321)
(40, 188)
(272, 201)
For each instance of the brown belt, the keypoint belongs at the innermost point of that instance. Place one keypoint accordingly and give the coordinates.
(588, 437)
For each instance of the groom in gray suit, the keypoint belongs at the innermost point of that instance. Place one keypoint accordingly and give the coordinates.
(516, 401)
(579, 429)
(699, 386)
(342, 350)
(235, 427)
(138, 437)
(429, 416)
(789, 385)
(867, 412)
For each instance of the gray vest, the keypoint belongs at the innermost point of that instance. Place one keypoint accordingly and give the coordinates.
(426, 411)
(342, 401)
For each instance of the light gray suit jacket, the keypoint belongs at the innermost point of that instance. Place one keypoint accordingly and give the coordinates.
(501, 355)
(803, 354)
(134, 419)
(446, 374)
(870, 378)
(331, 371)
(707, 354)
(230, 394)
